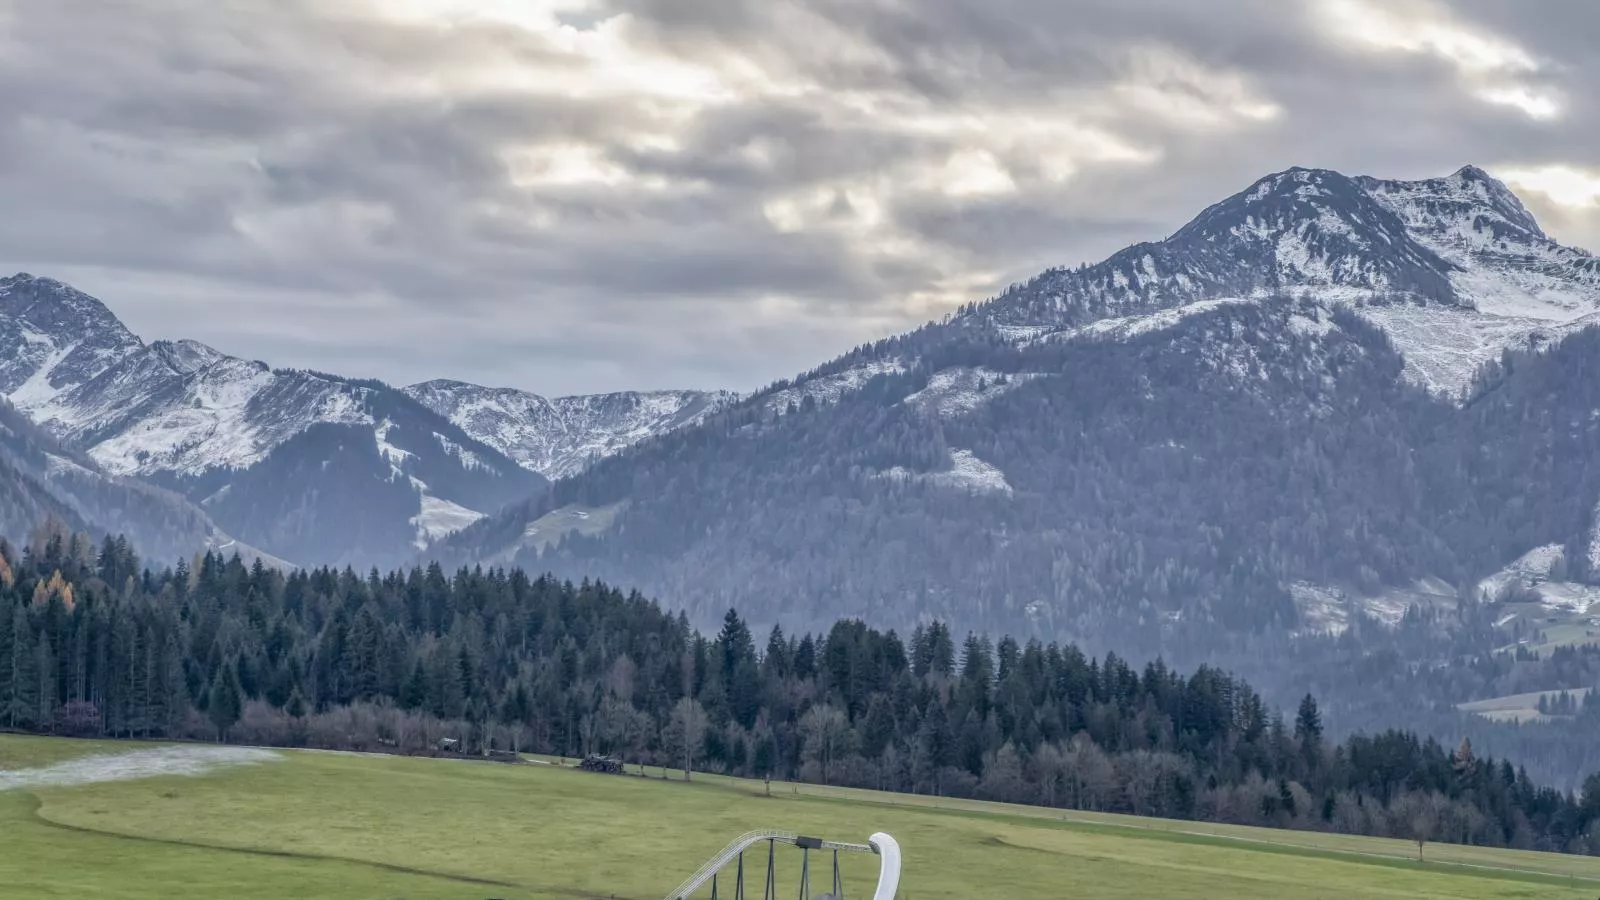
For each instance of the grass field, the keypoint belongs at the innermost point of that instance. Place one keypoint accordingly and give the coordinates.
(585, 520)
(1561, 626)
(1518, 707)
(314, 825)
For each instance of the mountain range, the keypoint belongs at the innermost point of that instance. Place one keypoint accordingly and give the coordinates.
(1324, 400)
(317, 467)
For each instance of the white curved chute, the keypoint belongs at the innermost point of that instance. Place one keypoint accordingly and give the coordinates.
(889, 867)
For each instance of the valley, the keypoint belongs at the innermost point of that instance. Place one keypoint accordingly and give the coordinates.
(1333, 421)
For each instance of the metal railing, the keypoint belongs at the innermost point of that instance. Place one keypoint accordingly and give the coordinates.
(880, 844)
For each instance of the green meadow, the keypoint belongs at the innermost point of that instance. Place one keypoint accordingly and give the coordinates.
(313, 825)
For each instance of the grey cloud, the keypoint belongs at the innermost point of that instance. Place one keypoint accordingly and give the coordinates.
(317, 186)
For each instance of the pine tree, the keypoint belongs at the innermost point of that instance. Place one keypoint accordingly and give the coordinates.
(416, 690)
(14, 675)
(45, 697)
(173, 691)
(225, 702)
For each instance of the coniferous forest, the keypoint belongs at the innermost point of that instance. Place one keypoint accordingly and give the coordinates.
(92, 643)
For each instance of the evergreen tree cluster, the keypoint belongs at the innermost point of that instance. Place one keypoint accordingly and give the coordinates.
(92, 643)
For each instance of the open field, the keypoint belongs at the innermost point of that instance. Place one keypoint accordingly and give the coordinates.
(345, 826)
(1519, 707)
(1562, 626)
(556, 524)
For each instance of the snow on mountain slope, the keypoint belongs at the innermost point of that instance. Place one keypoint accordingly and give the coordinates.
(1455, 269)
(1506, 265)
(438, 518)
(1125, 327)
(53, 338)
(824, 389)
(1594, 539)
(1299, 229)
(953, 392)
(1445, 346)
(229, 414)
(966, 473)
(70, 365)
(563, 436)
(40, 479)
(1513, 285)
(205, 424)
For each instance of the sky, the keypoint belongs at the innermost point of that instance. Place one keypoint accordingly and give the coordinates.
(574, 196)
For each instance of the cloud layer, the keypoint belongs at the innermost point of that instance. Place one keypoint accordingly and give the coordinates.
(582, 195)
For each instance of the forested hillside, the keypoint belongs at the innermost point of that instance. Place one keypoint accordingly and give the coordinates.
(92, 643)
(1152, 495)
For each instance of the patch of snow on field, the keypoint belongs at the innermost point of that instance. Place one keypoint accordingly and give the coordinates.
(967, 472)
(1566, 596)
(1125, 327)
(1535, 571)
(1023, 333)
(960, 390)
(827, 389)
(439, 517)
(1323, 609)
(970, 472)
(1528, 569)
(1445, 346)
(161, 761)
(1326, 609)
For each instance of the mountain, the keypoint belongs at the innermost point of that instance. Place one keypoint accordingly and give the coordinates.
(1323, 401)
(1475, 271)
(560, 437)
(311, 466)
(41, 481)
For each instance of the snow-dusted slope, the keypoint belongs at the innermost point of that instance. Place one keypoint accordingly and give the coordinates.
(53, 338)
(40, 479)
(149, 414)
(192, 418)
(1299, 229)
(1513, 285)
(1505, 264)
(961, 390)
(828, 388)
(1455, 269)
(562, 436)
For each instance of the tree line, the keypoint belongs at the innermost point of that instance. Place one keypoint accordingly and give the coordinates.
(94, 643)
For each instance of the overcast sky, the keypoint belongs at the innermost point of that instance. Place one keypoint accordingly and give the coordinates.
(585, 195)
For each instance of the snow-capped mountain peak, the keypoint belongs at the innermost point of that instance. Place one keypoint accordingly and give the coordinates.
(187, 357)
(562, 436)
(1455, 269)
(53, 337)
(1505, 265)
(1315, 227)
(1437, 206)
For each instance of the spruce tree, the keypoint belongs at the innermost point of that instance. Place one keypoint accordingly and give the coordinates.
(225, 703)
